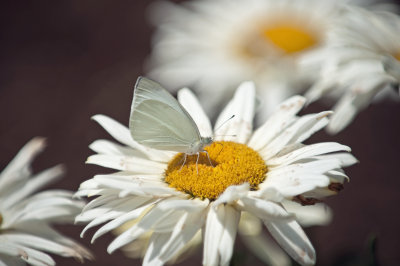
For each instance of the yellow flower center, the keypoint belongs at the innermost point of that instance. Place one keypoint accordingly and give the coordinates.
(289, 38)
(397, 56)
(232, 164)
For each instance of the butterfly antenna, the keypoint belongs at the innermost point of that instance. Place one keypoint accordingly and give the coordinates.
(224, 123)
(221, 149)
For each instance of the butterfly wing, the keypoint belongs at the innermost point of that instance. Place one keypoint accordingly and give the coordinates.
(158, 121)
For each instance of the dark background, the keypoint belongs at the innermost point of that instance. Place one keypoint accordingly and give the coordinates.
(63, 61)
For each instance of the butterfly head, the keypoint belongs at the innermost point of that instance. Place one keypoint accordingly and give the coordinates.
(205, 141)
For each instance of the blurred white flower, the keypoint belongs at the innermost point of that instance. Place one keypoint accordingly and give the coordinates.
(26, 234)
(359, 62)
(254, 172)
(212, 46)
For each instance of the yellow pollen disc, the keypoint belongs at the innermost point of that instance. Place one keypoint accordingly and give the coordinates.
(233, 164)
(290, 39)
(397, 56)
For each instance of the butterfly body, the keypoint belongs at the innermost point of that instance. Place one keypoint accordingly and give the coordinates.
(199, 146)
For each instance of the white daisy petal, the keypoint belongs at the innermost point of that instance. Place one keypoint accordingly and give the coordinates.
(10, 248)
(345, 111)
(264, 247)
(184, 205)
(183, 232)
(279, 120)
(268, 193)
(50, 206)
(49, 214)
(87, 192)
(354, 101)
(265, 210)
(293, 134)
(116, 130)
(39, 243)
(243, 107)
(169, 223)
(315, 166)
(11, 261)
(89, 215)
(192, 105)
(131, 164)
(155, 215)
(150, 220)
(225, 248)
(125, 238)
(132, 185)
(308, 183)
(18, 168)
(318, 214)
(119, 221)
(118, 209)
(156, 242)
(38, 258)
(249, 224)
(103, 146)
(213, 234)
(346, 159)
(320, 121)
(308, 152)
(300, 178)
(293, 240)
(317, 90)
(99, 201)
(233, 193)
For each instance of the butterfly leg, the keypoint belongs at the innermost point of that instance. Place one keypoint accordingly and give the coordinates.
(197, 161)
(208, 156)
(184, 161)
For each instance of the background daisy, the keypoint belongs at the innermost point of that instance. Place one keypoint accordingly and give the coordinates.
(358, 66)
(255, 173)
(26, 218)
(212, 46)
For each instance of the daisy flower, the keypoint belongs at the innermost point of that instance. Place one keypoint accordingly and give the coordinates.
(217, 44)
(253, 173)
(360, 62)
(26, 234)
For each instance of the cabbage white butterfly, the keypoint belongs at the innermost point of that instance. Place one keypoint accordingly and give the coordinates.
(159, 121)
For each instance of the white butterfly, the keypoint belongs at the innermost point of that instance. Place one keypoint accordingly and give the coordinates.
(159, 121)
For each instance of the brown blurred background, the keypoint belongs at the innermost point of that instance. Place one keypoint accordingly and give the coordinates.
(63, 61)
